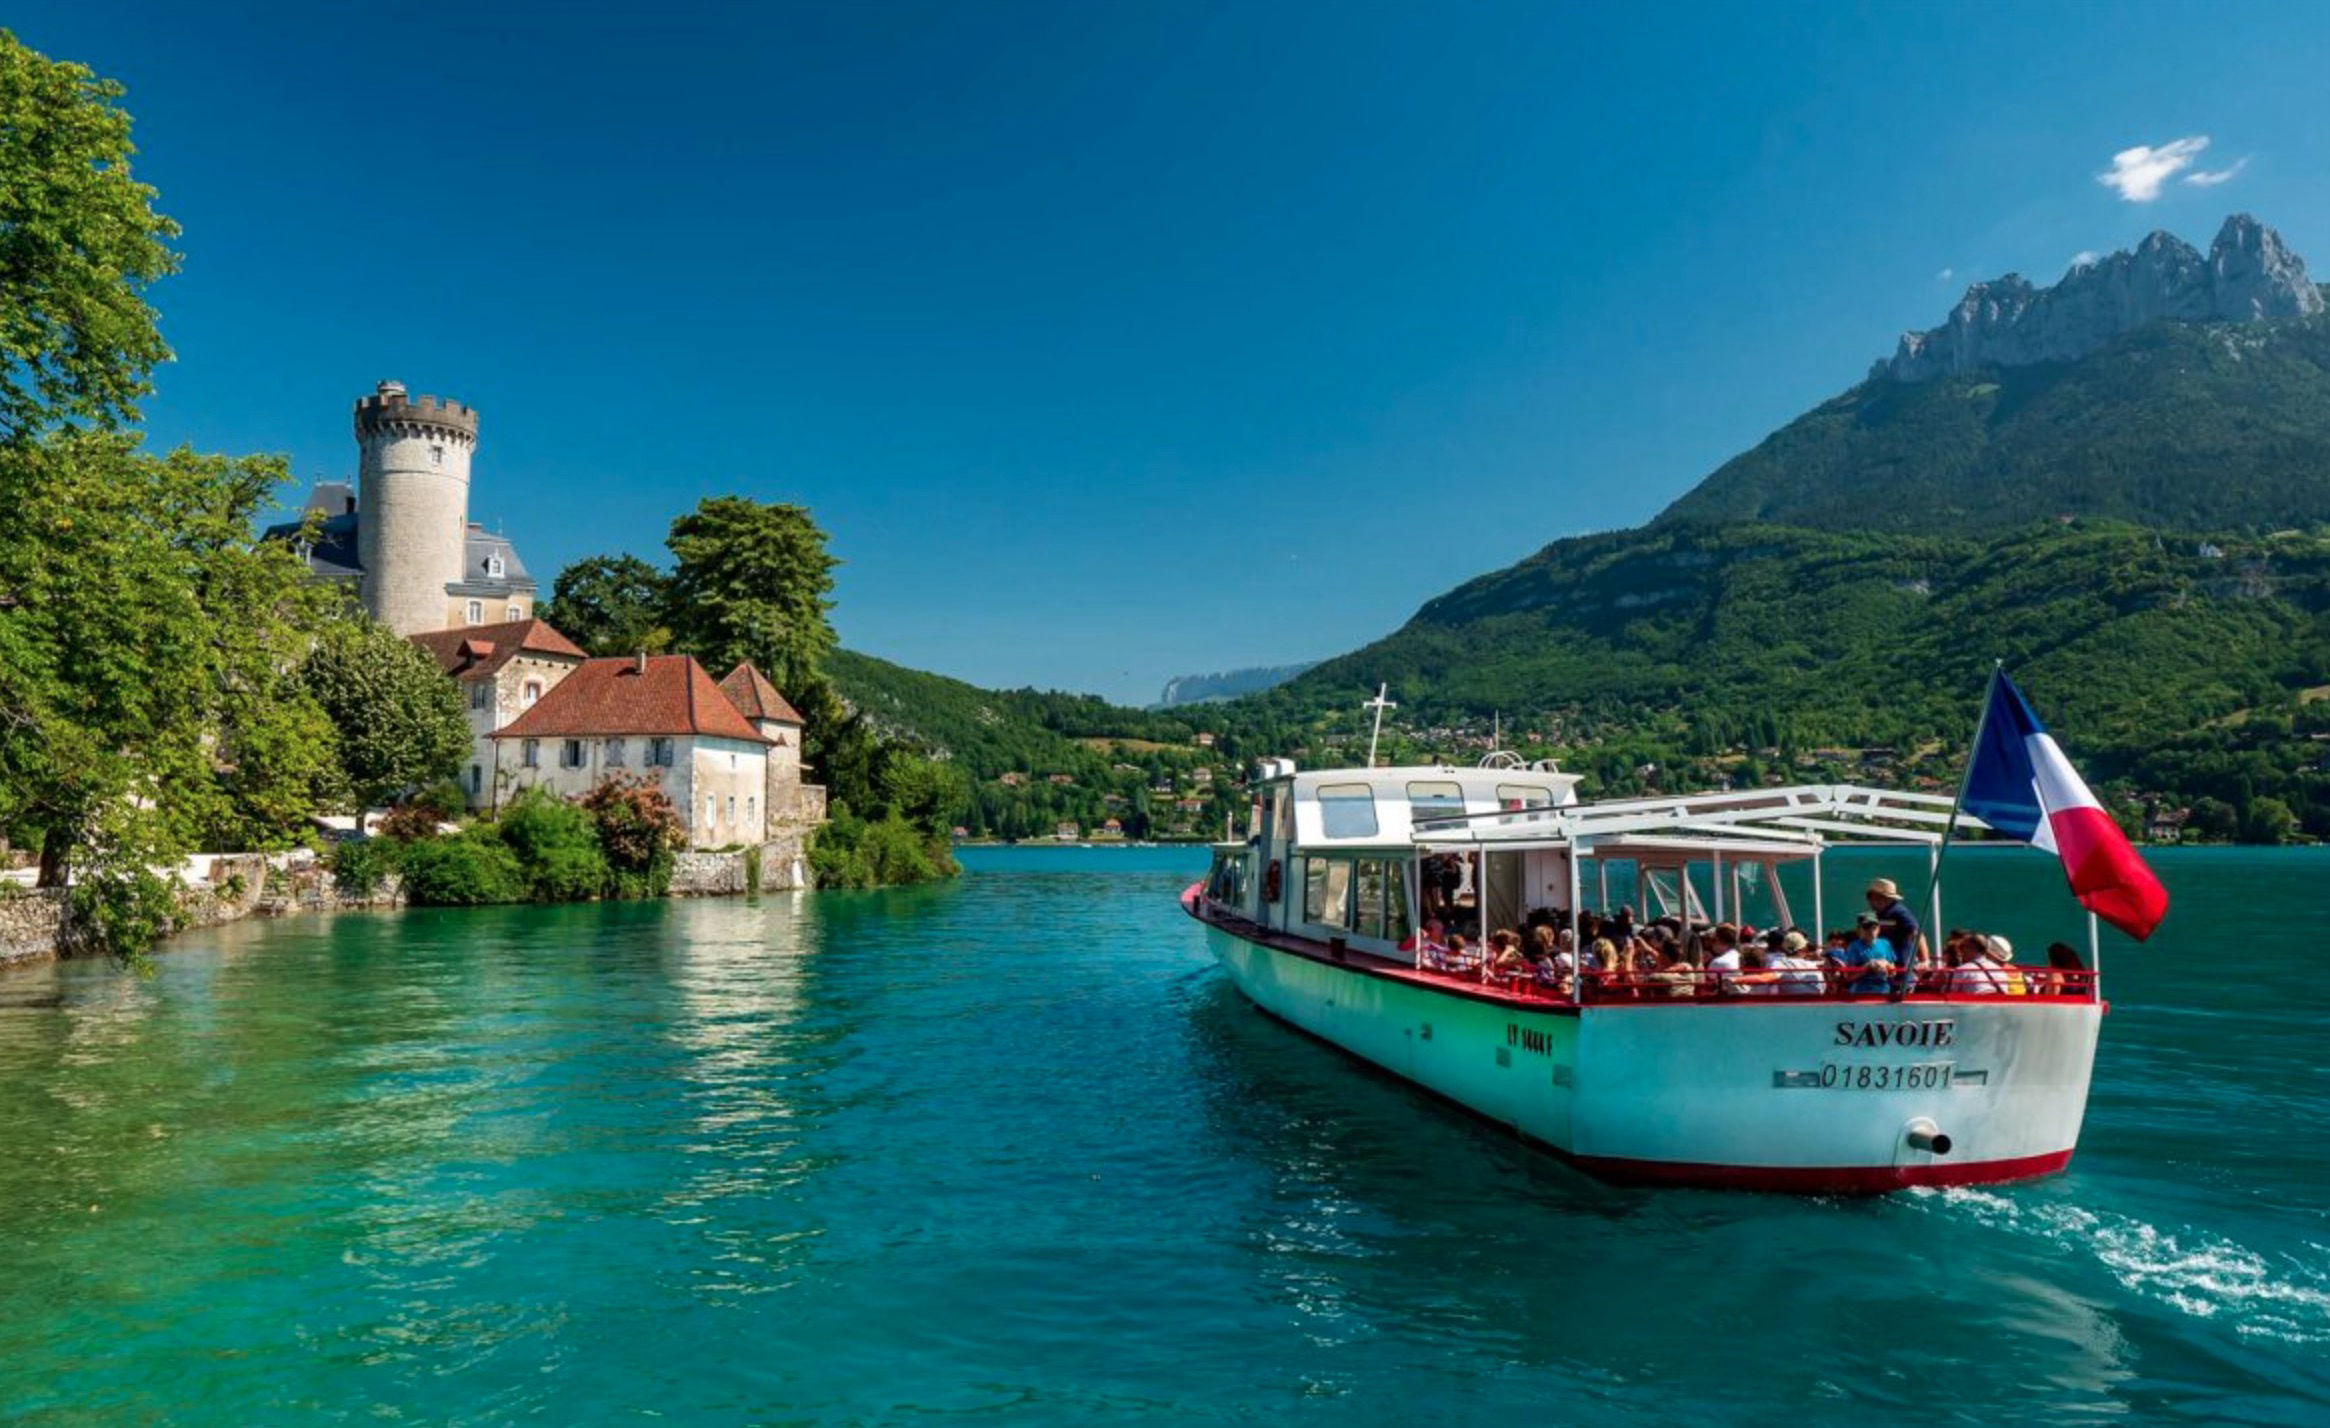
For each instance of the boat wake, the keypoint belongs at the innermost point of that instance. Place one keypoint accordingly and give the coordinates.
(2280, 1297)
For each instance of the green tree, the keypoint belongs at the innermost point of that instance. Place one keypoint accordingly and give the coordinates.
(399, 719)
(145, 645)
(753, 581)
(79, 242)
(611, 605)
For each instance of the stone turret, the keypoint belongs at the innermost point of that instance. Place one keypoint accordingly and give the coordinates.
(414, 496)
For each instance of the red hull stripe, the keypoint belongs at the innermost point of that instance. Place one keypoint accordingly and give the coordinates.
(1818, 1180)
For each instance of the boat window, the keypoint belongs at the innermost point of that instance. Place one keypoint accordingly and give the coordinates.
(1282, 819)
(1346, 810)
(1432, 799)
(1519, 796)
(1372, 884)
(1327, 892)
(1395, 915)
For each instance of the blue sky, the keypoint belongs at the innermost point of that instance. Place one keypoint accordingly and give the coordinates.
(1117, 341)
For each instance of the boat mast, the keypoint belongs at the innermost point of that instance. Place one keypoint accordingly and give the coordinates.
(1378, 704)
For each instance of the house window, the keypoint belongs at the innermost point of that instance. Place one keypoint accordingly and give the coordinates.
(436, 456)
(480, 694)
(476, 780)
(614, 753)
(751, 810)
(477, 612)
(570, 754)
(659, 751)
(513, 613)
(533, 691)
(493, 567)
(530, 753)
(711, 810)
(732, 808)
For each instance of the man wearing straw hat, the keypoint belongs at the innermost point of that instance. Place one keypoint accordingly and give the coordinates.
(1898, 926)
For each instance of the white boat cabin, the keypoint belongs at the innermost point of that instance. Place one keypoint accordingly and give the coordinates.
(1356, 859)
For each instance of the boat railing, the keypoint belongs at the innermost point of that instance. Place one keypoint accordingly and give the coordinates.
(1534, 984)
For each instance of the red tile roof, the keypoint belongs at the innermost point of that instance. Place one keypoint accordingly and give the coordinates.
(474, 651)
(754, 697)
(661, 694)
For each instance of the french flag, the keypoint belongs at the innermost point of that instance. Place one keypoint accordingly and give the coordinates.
(2021, 785)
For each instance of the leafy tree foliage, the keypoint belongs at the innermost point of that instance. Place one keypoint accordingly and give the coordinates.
(79, 242)
(752, 581)
(147, 700)
(612, 605)
(557, 846)
(399, 719)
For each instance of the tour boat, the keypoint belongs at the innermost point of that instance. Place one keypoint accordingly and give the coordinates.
(1316, 916)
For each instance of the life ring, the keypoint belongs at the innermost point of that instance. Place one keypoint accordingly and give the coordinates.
(1271, 882)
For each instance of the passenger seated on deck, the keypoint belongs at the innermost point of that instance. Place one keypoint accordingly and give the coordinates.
(1725, 964)
(1671, 976)
(1430, 947)
(1867, 961)
(1461, 957)
(1754, 977)
(2001, 952)
(1504, 957)
(1798, 975)
(1544, 948)
(1973, 971)
(2066, 974)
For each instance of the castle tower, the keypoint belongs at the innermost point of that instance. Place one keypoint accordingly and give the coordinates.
(413, 505)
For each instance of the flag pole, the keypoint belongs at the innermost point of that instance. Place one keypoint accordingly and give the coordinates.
(1950, 829)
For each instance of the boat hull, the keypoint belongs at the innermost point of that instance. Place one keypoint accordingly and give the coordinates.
(1819, 1095)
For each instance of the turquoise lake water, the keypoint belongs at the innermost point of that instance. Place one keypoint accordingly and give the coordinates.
(1011, 1150)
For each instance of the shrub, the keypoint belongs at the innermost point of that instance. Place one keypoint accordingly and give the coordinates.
(557, 847)
(852, 852)
(360, 866)
(409, 821)
(464, 870)
(638, 831)
(121, 911)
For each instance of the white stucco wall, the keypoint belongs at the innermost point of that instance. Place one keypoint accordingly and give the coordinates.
(700, 768)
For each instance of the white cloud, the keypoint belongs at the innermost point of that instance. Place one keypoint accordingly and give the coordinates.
(1945, 275)
(2084, 258)
(2210, 178)
(2137, 174)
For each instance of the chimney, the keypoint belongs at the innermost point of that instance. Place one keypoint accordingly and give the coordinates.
(639, 663)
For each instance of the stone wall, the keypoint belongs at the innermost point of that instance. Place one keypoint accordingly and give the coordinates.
(306, 886)
(29, 924)
(784, 865)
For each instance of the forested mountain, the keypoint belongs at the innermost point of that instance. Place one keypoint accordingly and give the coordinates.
(2120, 486)
(1033, 760)
(2137, 530)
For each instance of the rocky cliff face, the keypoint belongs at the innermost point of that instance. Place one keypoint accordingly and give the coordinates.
(2248, 275)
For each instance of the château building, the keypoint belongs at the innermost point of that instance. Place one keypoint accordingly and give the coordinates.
(542, 713)
(401, 533)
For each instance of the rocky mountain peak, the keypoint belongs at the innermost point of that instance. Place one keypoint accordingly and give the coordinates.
(2249, 275)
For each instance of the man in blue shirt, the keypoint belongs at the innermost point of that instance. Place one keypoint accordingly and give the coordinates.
(1869, 957)
(1897, 925)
